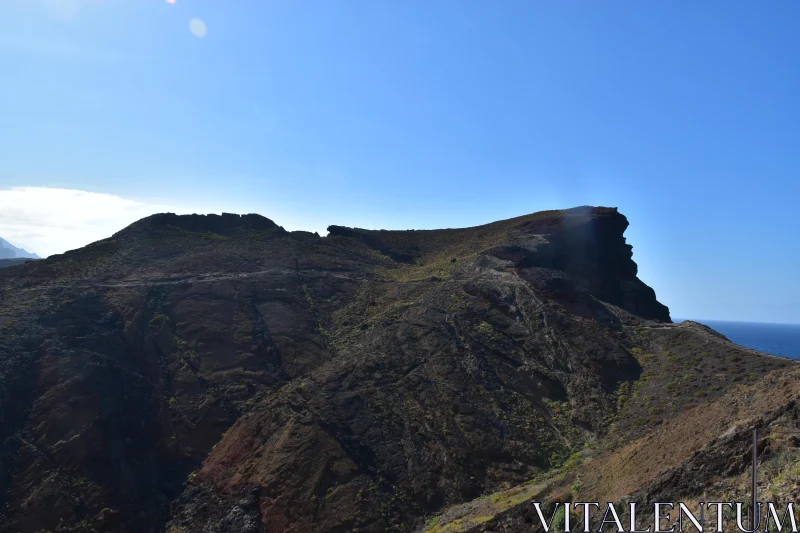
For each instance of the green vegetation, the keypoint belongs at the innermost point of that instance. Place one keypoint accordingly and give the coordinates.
(559, 520)
(158, 319)
(430, 524)
(460, 518)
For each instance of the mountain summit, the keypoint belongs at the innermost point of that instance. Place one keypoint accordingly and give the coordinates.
(9, 251)
(219, 373)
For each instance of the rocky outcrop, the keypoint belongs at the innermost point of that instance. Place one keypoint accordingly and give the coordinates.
(225, 224)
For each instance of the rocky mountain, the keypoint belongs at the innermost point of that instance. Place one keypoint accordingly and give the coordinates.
(9, 251)
(218, 373)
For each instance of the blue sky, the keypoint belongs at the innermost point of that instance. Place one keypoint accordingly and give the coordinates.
(420, 114)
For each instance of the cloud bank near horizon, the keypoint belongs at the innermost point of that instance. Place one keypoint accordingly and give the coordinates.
(49, 221)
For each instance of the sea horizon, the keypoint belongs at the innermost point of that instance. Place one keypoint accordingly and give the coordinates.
(774, 338)
(703, 320)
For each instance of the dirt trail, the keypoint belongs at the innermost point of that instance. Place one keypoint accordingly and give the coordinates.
(197, 278)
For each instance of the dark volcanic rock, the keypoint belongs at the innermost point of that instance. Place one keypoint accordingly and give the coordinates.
(224, 224)
(217, 373)
(14, 262)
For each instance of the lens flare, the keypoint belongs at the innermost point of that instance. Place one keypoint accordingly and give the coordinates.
(198, 28)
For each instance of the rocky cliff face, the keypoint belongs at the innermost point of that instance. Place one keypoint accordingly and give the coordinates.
(206, 373)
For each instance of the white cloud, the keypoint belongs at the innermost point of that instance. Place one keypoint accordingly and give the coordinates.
(50, 221)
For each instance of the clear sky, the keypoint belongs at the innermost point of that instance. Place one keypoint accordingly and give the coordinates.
(419, 114)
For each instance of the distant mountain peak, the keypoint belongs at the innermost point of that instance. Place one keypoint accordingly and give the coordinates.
(9, 251)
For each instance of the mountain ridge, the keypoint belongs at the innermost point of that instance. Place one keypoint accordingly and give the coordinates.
(216, 373)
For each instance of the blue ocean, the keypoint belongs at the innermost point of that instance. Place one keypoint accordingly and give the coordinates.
(776, 339)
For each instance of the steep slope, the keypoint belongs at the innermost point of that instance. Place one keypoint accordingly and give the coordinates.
(695, 447)
(124, 362)
(701, 455)
(207, 373)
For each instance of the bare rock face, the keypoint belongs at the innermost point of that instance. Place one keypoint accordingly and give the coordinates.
(206, 373)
